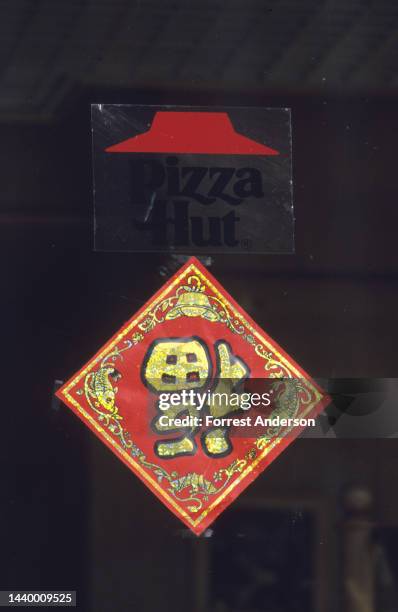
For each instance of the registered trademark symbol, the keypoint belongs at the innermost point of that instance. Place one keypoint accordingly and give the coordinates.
(246, 243)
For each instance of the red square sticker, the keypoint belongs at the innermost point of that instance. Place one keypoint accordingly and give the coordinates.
(149, 392)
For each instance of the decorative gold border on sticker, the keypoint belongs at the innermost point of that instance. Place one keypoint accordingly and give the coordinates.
(127, 457)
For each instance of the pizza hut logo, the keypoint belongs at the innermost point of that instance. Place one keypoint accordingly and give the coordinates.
(192, 181)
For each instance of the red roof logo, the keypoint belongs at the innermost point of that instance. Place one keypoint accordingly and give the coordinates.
(191, 132)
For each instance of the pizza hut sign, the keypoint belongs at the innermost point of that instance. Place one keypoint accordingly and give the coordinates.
(192, 179)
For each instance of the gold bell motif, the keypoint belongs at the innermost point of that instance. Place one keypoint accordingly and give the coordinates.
(193, 302)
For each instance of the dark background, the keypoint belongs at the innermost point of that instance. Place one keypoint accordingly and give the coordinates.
(72, 517)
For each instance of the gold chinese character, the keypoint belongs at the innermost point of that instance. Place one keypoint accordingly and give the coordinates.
(184, 364)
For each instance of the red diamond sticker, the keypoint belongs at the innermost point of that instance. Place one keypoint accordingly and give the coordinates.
(159, 395)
